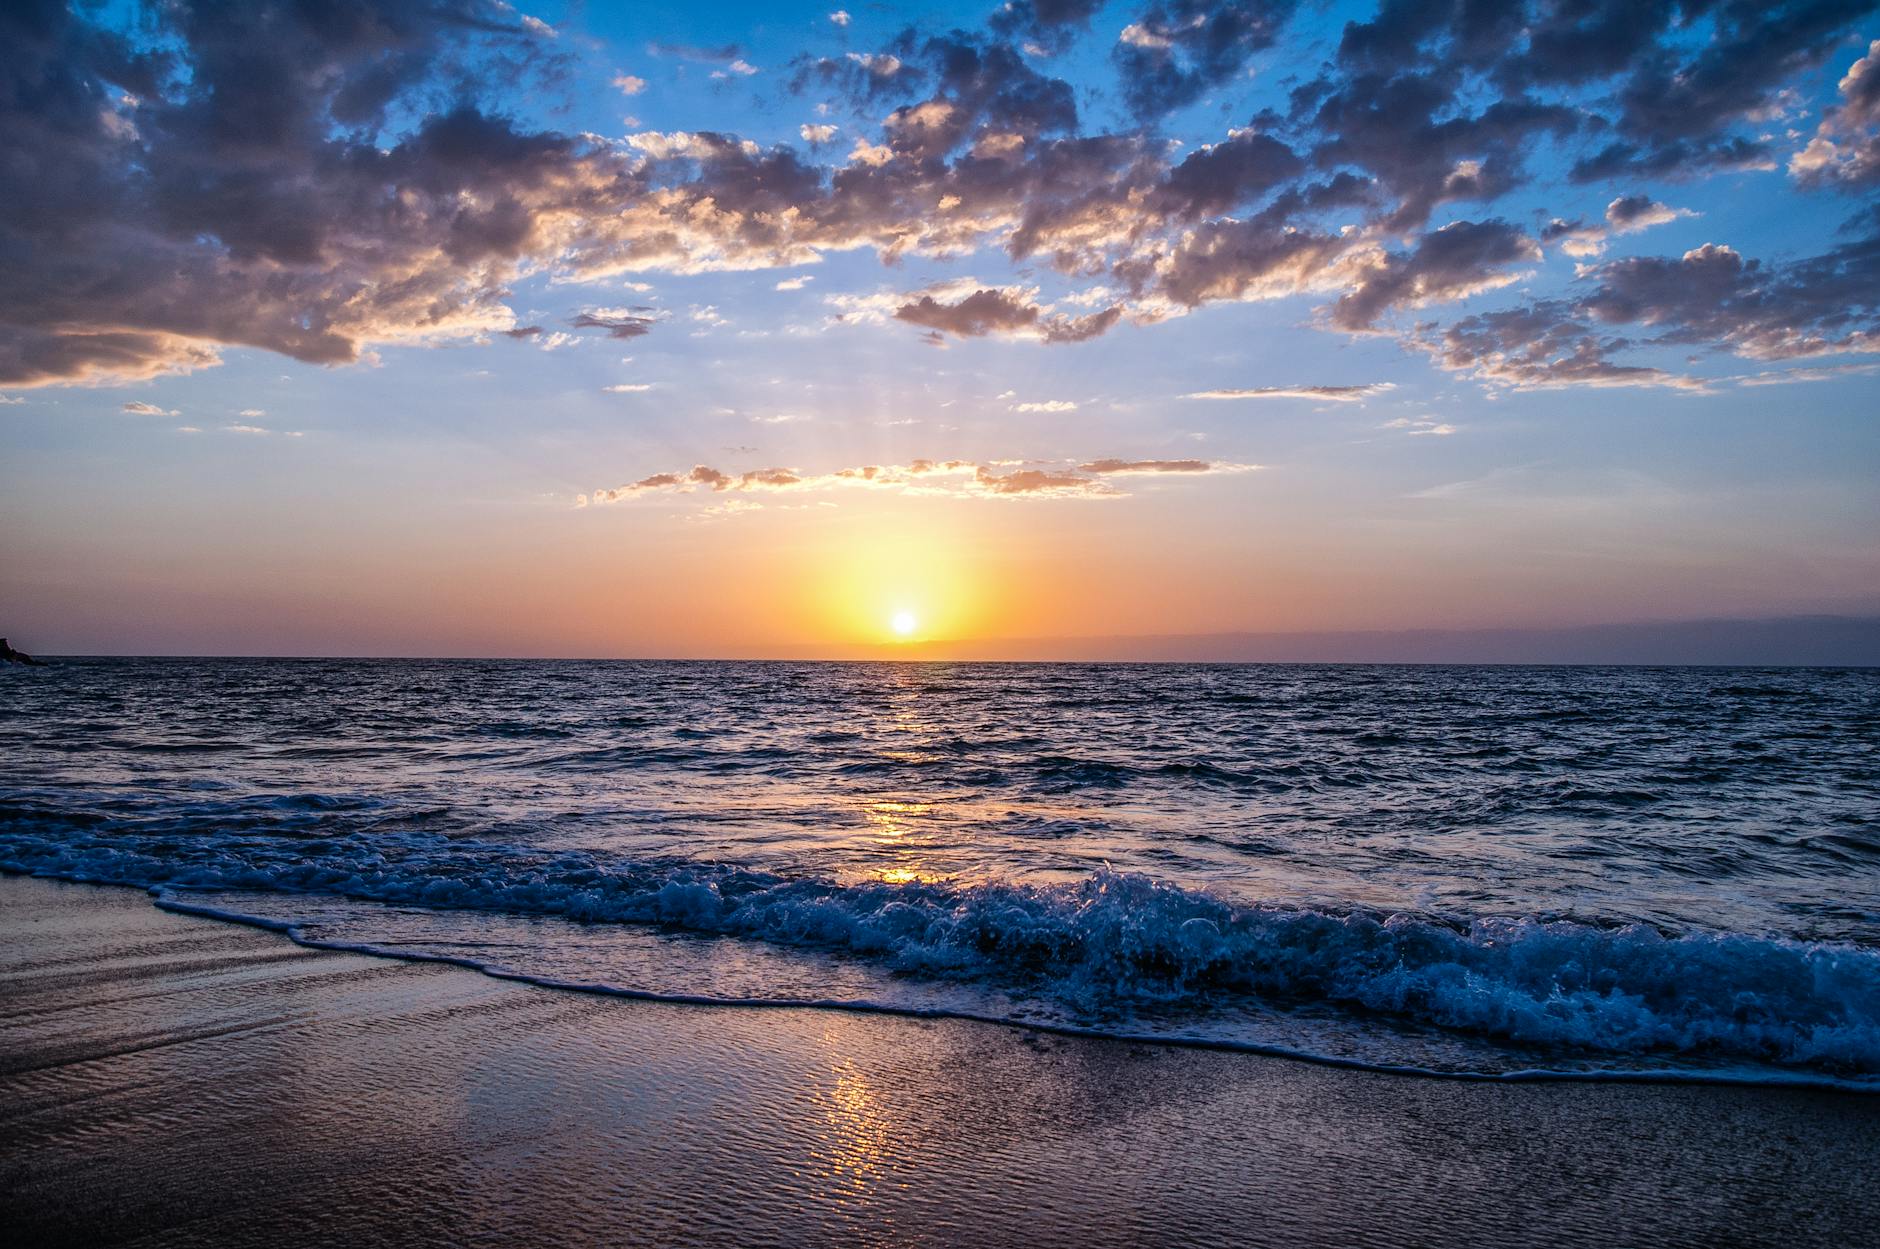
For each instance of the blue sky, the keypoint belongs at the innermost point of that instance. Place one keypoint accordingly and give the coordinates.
(563, 330)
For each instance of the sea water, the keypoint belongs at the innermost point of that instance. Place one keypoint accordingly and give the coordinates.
(1492, 871)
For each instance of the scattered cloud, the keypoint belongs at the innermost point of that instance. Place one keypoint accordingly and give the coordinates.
(1784, 377)
(796, 283)
(1000, 311)
(840, 17)
(721, 55)
(144, 239)
(138, 407)
(880, 64)
(1846, 145)
(1046, 405)
(1331, 394)
(1421, 425)
(618, 322)
(628, 388)
(1004, 479)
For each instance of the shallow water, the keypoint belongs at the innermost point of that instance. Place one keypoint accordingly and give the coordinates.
(1468, 869)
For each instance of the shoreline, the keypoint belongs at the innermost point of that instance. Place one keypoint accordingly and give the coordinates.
(342, 1097)
(1752, 1078)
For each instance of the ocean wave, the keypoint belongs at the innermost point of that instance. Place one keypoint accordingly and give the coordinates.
(1111, 942)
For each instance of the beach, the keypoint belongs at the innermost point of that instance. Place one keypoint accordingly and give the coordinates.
(171, 1080)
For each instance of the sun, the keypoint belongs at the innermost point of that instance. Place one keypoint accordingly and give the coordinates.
(903, 623)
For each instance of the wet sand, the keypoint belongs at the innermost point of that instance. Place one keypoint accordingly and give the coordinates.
(166, 1080)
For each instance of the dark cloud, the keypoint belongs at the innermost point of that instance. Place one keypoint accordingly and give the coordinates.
(1460, 259)
(1178, 50)
(1710, 297)
(1713, 296)
(1543, 346)
(1405, 132)
(1051, 24)
(1254, 259)
(226, 185)
(315, 180)
(1667, 85)
(1003, 312)
(618, 322)
(1223, 176)
(1676, 159)
(1755, 47)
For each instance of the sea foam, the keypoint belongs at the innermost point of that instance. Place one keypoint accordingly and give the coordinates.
(1116, 941)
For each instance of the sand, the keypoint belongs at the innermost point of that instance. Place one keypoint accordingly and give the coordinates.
(167, 1080)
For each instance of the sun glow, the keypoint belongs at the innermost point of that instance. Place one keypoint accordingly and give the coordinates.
(903, 623)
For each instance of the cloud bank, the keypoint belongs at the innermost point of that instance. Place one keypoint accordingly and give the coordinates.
(318, 180)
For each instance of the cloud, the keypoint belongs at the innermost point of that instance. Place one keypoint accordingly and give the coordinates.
(1116, 468)
(1046, 405)
(629, 84)
(1783, 377)
(840, 17)
(1461, 259)
(1628, 214)
(1711, 297)
(235, 192)
(1008, 312)
(721, 55)
(880, 64)
(1631, 213)
(1332, 394)
(1180, 49)
(1046, 26)
(282, 180)
(796, 283)
(628, 388)
(138, 407)
(939, 478)
(1846, 145)
(1426, 426)
(618, 322)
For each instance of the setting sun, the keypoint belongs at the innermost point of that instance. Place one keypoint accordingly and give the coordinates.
(903, 623)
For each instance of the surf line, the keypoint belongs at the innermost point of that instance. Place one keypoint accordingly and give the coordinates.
(164, 898)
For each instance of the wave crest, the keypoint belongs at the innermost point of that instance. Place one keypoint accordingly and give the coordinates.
(1112, 942)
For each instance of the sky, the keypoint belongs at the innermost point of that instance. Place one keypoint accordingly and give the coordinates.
(460, 328)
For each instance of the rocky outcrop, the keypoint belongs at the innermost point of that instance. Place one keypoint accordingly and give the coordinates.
(12, 656)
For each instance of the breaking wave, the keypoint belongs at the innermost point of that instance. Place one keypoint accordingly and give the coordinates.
(1112, 943)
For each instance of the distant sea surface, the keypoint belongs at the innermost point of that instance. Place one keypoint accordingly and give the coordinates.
(1598, 872)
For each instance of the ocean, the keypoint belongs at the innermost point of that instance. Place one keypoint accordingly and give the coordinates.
(1485, 872)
